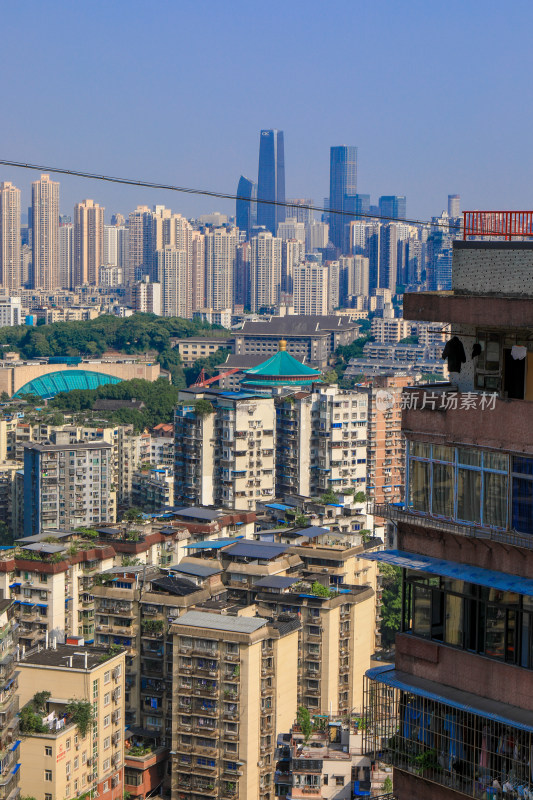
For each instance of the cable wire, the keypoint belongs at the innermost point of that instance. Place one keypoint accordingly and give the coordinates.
(221, 195)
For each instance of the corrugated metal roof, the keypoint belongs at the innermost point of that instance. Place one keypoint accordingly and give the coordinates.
(276, 582)
(454, 569)
(212, 544)
(248, 548)
(312, 532)
(200, 569)
(465, 701)
(221, 622)
(45, 547)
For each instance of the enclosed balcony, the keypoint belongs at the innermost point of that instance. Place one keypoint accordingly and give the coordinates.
(453, 738)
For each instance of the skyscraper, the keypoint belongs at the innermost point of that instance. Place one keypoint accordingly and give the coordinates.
(220, 253)
(45, 230)
(342, 185)
(66, 255)
(265, 270)
(172, 269)
(10, 272)
(454, 205)
(245, 207)
(139, 220)
(271, 179)
(88, 242)
(393, 206)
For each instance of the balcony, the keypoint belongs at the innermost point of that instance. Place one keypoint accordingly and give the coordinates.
(398, 513)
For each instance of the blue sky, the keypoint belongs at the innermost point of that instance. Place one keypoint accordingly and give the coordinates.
(437, 96)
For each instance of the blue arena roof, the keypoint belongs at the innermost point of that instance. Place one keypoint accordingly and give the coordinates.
(248, 548)
(66, 380)
(453, 569)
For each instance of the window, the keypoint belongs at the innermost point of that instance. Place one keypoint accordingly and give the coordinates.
(48, 774)
(47, 751)
(465, 484)
(76, 762)
(339, 780)
(107, 742)
(47, 796)
(107, 676)
(107, 698)
(67, 744)
(107, 720)
(107, 764)
(105, 787)
(495, 623)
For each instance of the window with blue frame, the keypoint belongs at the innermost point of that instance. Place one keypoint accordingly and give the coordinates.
(522, 496)
(466, 484)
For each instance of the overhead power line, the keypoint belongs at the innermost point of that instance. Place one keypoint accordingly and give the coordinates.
(221, 195)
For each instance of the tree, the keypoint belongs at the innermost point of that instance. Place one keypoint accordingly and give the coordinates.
(40, 699)
(319, 590)
(329, 498)
(303, 717)
(387, 785)
(133, 514)
(202, 408)
(82, 715)
(391, 609)
(330, 377)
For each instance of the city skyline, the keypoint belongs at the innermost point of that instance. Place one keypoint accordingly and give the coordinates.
(414, 139)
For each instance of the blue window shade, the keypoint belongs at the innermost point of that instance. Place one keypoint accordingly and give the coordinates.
(523, 505)
(523, 465)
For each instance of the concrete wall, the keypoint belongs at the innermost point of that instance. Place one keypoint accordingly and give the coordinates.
(481, 676)
(493, 267)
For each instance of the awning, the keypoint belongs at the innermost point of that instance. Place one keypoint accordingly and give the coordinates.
(14, 772)
(16, 745)
(456, 698)
(453, 569)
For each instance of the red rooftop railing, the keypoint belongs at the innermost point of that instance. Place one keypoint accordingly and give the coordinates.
(505, 224)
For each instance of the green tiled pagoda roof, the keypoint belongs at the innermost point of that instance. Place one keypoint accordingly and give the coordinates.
(282, 365)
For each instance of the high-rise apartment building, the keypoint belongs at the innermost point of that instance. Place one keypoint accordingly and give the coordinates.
(316, 236)
(10, 263)
(220, 254)
(65, 756)
(241, 278)
(454, 205)
(321, 441)
(172, 272)
(224, 456)
(45, 233)
(342, 185)
(265, 270)
(146, 297)
(271, 180)
(296, 207)
(290, 228)
(234, 689)
(88, 242)
(66, 255)
(311, 288)
(110, 257)
(292, 254)
(9, 720)
(197, 270)
(246, 206)
(454, 715)
(139, 222)
(393, 207)
(67, 485)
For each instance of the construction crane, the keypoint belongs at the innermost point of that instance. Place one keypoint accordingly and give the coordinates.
(202, 381)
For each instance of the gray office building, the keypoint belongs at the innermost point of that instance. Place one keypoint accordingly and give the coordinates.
(245, 206)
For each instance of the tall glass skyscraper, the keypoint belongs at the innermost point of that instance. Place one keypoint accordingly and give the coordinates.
(271, 179)
(342, 186)
(393, 206)
(246, 208)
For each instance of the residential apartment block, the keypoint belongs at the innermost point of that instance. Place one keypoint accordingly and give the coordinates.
(454, 714)
(66, 757)
(224, 456)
